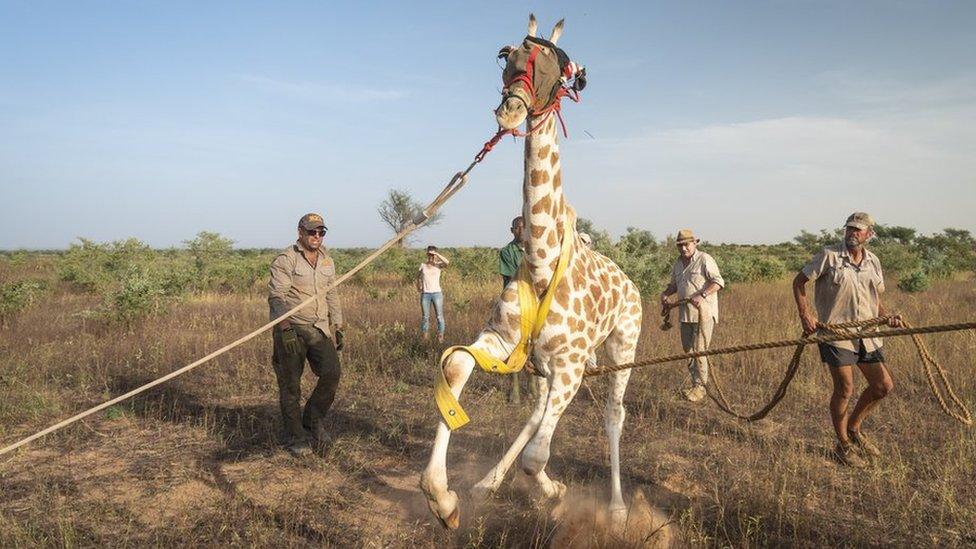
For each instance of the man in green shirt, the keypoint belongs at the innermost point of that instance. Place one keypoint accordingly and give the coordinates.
(511, 255)
(509, 258)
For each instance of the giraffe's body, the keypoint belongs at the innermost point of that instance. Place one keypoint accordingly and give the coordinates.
(594, 303)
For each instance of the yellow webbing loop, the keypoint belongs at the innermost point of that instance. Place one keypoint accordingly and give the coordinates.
(533, 317)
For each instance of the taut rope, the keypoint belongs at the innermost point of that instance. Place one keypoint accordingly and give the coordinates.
(836, 332)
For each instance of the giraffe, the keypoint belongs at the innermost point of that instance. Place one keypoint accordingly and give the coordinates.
(594, 303)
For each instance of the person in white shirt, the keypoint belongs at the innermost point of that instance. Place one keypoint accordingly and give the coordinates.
(429, 286)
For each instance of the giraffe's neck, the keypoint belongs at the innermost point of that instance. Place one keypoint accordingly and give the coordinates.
(543, 205)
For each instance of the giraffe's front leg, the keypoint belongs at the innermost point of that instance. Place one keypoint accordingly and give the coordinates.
(564, 382)
(443, 503)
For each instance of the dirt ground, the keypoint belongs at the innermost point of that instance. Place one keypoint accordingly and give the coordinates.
(198, 460)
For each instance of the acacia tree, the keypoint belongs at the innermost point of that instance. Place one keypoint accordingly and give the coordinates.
(398, 209)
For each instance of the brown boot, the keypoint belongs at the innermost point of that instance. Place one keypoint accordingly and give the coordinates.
(863, 444)
(845, 455)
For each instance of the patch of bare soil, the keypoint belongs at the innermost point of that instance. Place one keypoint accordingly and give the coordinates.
(583, 521)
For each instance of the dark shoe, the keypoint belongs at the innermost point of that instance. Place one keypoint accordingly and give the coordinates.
(299, 448)
(863, 444)
(845, 455)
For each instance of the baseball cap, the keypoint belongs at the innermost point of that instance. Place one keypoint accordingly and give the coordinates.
(311, 221)
(860, 220)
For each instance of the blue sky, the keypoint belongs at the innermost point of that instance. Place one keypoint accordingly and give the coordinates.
(747, 121)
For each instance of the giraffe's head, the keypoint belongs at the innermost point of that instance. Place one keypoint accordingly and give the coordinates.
(534, 73)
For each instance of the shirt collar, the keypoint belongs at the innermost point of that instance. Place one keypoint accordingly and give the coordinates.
(844, 252)
(297, 246)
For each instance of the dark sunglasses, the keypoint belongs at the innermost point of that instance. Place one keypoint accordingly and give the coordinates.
(317, 232)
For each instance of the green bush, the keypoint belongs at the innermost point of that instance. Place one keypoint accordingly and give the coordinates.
(479, 263)
(897, 258)
(17, 296)
(93, 267)
(917, 281)
(644, 260)
(142, 291)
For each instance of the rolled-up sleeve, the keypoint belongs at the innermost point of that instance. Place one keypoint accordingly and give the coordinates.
(712, 273)
(816, 266)
(279, 285)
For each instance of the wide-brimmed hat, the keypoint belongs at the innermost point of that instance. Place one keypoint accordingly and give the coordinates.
(860, 220)
(686, 235)
(311, 221)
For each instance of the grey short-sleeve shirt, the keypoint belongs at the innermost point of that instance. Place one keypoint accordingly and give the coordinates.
(845, 291)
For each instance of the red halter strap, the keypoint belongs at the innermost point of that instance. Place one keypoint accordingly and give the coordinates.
(526, 77)
(555, 106)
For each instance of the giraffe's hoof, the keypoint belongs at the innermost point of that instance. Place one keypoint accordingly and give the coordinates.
(618, 519)
(554, 490)
(445, 508)
(453, 521)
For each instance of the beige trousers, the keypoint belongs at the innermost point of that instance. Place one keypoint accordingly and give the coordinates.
(697, 367)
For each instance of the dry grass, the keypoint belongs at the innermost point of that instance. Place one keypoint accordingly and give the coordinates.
(197, 461)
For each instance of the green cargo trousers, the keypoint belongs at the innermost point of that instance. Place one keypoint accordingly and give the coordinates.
(324, 361)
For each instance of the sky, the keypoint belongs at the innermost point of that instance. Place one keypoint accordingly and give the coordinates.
(747, 121)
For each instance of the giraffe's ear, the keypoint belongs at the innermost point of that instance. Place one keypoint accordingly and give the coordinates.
(533, 25)
(557, 31)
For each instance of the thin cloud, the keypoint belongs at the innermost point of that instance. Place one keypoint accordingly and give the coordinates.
(912, 167)
(321, 92)
(880, 91)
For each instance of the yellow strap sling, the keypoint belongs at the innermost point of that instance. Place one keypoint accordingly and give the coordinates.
(533, 317)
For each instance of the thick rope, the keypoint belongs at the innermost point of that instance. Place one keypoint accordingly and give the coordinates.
(452, 187)
(837, 332)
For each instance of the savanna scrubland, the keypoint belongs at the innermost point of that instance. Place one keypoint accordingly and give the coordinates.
(197, 461)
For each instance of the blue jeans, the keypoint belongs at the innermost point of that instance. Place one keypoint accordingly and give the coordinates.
(426, 299)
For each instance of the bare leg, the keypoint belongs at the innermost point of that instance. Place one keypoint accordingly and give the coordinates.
(843, 379)
(879, 386)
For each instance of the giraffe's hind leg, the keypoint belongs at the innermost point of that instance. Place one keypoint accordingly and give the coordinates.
(496, 475)
(621, 347)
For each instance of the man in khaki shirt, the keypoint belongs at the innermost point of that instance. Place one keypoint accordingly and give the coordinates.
(300, 272)
(849, 284)
(695, 277)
